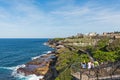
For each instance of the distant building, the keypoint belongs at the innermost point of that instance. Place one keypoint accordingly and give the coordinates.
(104, 33)
(112, 34)
(79, 35)
(117, 37)
(92, 34)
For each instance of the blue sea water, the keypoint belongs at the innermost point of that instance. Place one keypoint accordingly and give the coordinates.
(16, 52)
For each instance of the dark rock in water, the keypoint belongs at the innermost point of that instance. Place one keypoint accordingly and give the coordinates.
(26, 72)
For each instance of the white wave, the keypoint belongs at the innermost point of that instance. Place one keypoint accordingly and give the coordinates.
(46, 52)
(21, 76)
(9, 68)
(45, 43)
(35, 57)
(49, 52)
(14, 73)
(13, 68)
(32, 77)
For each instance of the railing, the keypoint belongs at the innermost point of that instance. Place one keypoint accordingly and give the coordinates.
(110, 71)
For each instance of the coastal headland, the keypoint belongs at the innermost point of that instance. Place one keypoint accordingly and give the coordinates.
(56, 65)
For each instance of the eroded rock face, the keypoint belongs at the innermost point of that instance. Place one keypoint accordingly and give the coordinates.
(39, 66)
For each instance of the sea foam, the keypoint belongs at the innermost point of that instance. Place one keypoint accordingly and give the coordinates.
(45, 43)
(21, 76)
(36, 57)
(13, 68)
(49, 52)
(31, 77)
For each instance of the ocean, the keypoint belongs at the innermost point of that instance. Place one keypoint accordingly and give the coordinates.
(14, 53)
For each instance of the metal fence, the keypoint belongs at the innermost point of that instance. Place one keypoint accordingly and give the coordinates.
(110, 71)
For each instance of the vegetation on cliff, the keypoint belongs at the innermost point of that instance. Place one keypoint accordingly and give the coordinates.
(102, 49)
(65, 59)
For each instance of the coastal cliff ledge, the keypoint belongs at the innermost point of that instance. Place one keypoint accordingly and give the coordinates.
(42, 66)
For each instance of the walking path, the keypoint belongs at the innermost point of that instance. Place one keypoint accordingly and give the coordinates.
(86, 75)
(106, 72)
(89, 54)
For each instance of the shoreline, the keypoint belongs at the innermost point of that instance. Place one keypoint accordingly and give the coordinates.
(42, 66)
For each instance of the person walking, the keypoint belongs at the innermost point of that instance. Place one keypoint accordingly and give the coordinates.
(89, 65)
(92, 65)
(84, 65)
(96, 63)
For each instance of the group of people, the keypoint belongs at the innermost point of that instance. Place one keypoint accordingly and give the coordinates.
(90, 64)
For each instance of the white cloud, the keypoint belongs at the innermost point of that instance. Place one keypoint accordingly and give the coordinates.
(88, 13)
(26, 19)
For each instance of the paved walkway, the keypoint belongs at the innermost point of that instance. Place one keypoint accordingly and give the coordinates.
(92, 75)
(102, 72)
(85, 77)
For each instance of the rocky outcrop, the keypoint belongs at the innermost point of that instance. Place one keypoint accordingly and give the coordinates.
(41, 66)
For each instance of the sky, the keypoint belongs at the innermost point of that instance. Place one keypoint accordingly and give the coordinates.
(57, 18)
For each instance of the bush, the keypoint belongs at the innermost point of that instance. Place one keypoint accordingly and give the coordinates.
(104, 56)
